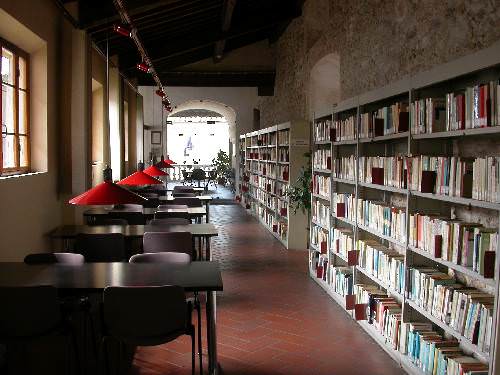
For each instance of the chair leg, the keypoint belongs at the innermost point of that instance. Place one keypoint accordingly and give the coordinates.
(193, 353)
(105, 355)
(200, 344)
(78, 364)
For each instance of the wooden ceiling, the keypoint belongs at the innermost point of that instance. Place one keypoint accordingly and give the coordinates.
(180, 32)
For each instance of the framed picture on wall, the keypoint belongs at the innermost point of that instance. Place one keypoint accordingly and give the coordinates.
(155, 138)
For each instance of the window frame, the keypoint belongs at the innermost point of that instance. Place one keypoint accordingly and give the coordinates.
(17, 52)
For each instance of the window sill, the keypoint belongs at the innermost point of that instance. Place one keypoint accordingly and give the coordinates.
(18, 175)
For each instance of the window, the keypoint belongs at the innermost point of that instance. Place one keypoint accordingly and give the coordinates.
(14, 113)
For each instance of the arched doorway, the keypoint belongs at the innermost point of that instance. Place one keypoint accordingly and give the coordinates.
(324, 83)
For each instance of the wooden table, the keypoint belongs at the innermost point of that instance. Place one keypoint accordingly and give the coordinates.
(205, 199)
(95, 277)
(204, 231)
(194, 212)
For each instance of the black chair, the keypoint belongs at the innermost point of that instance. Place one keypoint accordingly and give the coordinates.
(101, 247)
(172, 215)
(132, 217)
(188, 201)
(154, 315)
(159, 242)
(30, 313)
(50, 258)
(170, 221)
(108, 221)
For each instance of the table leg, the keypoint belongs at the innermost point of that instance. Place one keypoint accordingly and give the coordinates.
(208, 254)
(207, 208)
(211, 308)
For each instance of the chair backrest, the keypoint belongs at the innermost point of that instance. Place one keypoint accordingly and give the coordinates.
(188, 201)
(164, 257)
(162, 207)
(132, 217)
(183, 189)
(28, 311)
(128, 207)
(101, 247)
(50, 258)
(145, 315)
(168, 215)
(187, 195)
(109, 221)
(170, 221)
(159, 242)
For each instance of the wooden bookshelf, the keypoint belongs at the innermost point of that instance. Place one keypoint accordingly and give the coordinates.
(481, 67)
(273, 157)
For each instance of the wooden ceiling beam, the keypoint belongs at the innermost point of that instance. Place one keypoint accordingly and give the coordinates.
(227, 15)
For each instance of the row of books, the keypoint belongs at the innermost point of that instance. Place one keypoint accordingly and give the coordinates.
(283, 137)
(383, 170)
(343, 205)
(466, 244)
(322, 130)
(428, 116)
(266, 154)
(342, 241)
(266, 199)
(385, 264)
(434, 354)
(466, 310)
(382, 218)
(341, 280)
(321, 185)
(266, 139)
(384, 121)
(486, 179)
(476, 107)
(283, 154)
(282, 172)
(322, 159)
(320, 212)
(345, 167)
(319, 236)
(344, 129)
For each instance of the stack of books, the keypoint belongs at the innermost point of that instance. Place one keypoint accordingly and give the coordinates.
(383, 170)
(383, 263)
(428, 115)
(465, 244)
(322, 130)
(465, 309)
(344, 129)
(321, 185)
(345, 168)
(322, 159)
(341, 280)
(382, 218)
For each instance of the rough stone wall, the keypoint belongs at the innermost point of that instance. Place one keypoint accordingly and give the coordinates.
(379, 41)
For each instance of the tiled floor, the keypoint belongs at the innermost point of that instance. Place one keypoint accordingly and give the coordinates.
(272, 319)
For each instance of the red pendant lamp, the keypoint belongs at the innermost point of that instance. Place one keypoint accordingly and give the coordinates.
(165, 163)
(154, 171)
(107, 193)
(139, 178)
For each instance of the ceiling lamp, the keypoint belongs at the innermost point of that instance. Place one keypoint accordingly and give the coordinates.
(143, 67)
(139, 178)
(107, 193)
(154, 171)
(122, 30)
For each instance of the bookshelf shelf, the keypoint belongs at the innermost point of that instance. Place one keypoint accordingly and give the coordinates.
(262, 170)
(465, 343)
(461, 93)
(458, 200)
(317, 223)
(382, 138)
(344, 181)
(321, 197)
(327, 171)
(464, 270)
(383, 187)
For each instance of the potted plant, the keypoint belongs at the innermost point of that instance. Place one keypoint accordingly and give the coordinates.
(222, 165)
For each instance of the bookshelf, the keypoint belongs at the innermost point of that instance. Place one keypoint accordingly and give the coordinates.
(270, 159)
(387, 180)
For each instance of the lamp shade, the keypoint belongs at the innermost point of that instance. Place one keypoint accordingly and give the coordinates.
(139, 178)
(154, 171)
(164, 164)
(169, 161)
(107, 193)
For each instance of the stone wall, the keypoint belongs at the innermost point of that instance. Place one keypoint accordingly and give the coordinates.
(378, 41)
